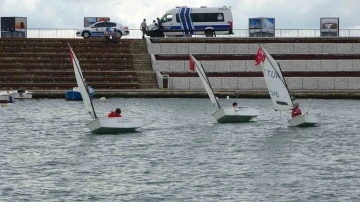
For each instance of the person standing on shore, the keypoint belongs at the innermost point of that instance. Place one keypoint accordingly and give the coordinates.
(143, 28)
(159, 23)
(107, 34)
(115, 36)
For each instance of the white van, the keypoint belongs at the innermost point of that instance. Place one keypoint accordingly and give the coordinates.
(184, 21)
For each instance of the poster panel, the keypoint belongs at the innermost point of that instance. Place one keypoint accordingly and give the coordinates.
(254, 25)
(105, 19)
(20, 24)
(6, 34)
(268, 25)
(8, 24)
(20, 27)
(19, 34)
(88, 21)
(329, 24)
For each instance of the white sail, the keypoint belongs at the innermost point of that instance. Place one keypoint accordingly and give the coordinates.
(275, 82)
(205, 82)
(82, 85)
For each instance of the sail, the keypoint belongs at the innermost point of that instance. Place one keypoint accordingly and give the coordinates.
(83, 88)
(275, 81)
(204, 80)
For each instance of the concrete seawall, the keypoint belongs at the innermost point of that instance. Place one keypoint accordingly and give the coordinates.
(313, 67)
(227, 62)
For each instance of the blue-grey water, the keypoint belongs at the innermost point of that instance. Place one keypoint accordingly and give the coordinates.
(181, 154)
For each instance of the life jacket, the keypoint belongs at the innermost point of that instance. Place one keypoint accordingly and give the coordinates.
(113, 114)
(295, 112)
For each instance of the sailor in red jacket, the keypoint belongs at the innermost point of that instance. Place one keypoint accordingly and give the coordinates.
(296, 110)
(116, 113)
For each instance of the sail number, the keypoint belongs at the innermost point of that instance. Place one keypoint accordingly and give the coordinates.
(274, 93)
(273, 74)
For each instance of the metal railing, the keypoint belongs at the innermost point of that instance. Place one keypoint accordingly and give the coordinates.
(136, 33)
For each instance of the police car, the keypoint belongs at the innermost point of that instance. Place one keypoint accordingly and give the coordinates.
(98, 29)
(184, 21)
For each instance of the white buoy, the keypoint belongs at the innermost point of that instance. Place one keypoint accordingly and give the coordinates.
(103, 99)
(227, 97)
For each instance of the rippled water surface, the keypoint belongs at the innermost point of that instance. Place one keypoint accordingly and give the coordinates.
(181, 154)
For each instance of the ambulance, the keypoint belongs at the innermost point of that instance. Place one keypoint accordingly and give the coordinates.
(184, 21)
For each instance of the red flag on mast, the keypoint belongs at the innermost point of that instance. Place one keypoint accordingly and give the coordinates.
(191, 64)
(260, 56)
(71, 56)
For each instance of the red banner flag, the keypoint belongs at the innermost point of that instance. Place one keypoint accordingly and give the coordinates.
(71, 56)
(191, 64)
(260, 57)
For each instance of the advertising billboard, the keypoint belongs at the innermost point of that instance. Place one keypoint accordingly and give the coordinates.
(13, 27)
(329, 26)
(20, 27)
(8, 24)
(254, 25)
(91, 20)
(262, 27)
(6, 34)
(268, 25)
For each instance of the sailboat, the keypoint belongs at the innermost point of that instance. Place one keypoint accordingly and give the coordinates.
(279, 91)
(101, 125)
(222, 115)
(7, 97)
(22, 94)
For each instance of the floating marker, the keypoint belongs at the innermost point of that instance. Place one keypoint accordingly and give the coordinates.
(227, 97)
(103, 99)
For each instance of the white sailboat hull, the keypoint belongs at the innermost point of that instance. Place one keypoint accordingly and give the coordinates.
(26, 95)
(235, 115)
(5, 96)
(306, 120)
(114, 125)
(6, 104)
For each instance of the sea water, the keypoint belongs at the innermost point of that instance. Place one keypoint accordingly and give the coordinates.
(181, 154)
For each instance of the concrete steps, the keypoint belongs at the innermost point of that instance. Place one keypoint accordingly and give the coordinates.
(142, 64)
(44, 64)
(65, 86)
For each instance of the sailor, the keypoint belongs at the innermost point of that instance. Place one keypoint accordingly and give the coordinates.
(235, 105)
(116, 113)
(296, 110)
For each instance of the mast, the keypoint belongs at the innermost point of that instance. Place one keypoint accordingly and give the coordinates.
(85, 85)
(208, 82)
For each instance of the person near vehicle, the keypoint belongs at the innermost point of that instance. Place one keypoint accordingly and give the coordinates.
(159, 23)
(107, 33)
(116, 113)
(143, 28)
(115, 36)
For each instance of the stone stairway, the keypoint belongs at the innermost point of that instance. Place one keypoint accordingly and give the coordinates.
(142, 64)
(44, 64)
